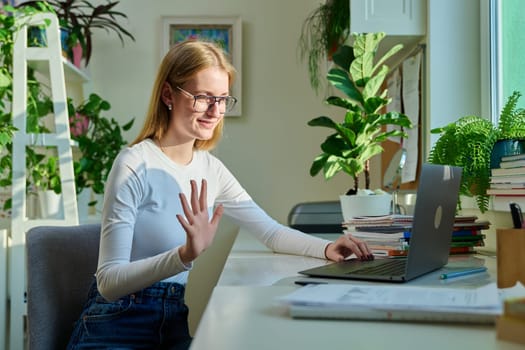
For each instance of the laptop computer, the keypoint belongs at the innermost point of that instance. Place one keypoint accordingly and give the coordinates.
(432, 226)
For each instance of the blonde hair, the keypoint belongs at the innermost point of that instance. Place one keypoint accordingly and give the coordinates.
(180, 65)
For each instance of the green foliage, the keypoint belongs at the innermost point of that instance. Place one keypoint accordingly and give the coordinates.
(323, 31)
(43, 171)
(99, 144)
(39, 104)
(80, 18)
(511, 124)
(359, 136)
(468, 142)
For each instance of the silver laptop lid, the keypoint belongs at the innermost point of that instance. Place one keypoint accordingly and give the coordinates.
(433, 218)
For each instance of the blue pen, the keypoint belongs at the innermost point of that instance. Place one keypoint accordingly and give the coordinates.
(465, 272)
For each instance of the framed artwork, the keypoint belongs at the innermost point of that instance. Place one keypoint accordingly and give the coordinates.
(224, 31)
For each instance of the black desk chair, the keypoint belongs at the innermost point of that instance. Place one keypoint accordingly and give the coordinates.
(317, 217)
(61, 263)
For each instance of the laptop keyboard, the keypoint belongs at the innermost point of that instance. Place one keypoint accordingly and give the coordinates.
(389, 267)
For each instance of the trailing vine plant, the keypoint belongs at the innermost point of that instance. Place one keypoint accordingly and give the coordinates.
(324, 30)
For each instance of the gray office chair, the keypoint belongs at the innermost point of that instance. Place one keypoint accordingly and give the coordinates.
(61, 262)
(317, 217)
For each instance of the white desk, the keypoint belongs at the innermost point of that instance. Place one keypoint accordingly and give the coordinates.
(242, 312)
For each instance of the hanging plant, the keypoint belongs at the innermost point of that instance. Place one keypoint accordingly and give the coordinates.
(323, 32)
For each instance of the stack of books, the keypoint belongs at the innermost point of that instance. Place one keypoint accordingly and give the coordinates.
(507, 183)
(389, 236)
(468, 234)
(386, 235)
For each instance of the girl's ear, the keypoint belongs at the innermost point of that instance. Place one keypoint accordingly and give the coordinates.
(167, 94)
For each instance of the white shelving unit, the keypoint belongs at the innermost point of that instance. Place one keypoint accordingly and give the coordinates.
(49, 61)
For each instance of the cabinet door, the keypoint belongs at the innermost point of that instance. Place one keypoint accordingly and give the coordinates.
(394, 17)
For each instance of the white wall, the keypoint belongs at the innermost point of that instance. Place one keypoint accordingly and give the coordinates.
(453, 61)
(269, 148)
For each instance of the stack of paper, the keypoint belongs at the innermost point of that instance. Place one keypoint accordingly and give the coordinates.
(394, 302)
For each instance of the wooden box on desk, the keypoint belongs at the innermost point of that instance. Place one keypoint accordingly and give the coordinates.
(510, 329)
(510, 252)
(511, 325)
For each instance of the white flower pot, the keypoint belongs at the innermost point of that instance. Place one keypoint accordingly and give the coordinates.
(50, 205)
(367, 205)
(83, 199)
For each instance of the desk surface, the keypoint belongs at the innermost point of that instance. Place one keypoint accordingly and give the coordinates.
(243, 314)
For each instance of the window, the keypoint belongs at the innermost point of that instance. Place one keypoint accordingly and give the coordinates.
(507, 52)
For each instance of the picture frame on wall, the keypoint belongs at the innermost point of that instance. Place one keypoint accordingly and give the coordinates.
(224, 31)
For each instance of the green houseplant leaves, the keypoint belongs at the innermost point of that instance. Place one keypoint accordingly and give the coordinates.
(469, 141)
(359, 136)
(99, 143)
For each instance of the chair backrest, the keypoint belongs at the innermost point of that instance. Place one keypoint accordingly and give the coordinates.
(317, 217)
(61, 263)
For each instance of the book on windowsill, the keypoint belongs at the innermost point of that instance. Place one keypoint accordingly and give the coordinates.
(507, 186)
(508, 171)
(513, 157)
(507, 179)
(512, 163)
(501, 203)
(506, 191)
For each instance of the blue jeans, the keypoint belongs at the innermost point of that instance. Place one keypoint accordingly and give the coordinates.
(153, 318)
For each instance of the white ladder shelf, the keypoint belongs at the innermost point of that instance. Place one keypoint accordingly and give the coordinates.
(60, 139)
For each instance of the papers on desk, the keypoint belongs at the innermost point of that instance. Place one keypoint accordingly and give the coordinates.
(401, 303)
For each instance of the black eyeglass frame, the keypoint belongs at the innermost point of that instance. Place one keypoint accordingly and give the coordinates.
(228, 107)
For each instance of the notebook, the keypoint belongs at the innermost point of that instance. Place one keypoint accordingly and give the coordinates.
(434, 213)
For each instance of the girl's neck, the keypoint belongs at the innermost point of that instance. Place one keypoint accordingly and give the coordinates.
(179, 153)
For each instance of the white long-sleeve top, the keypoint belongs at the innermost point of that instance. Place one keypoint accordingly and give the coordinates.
(140, 233)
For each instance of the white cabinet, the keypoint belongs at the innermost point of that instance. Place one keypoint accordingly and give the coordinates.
(394, 17)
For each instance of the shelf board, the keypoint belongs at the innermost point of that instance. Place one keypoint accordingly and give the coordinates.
(71, 73)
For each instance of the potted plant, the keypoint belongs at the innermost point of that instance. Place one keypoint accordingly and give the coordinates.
(470, 142)
(44, 181)
(98, 144)
(511, 131)
(39, 106)
(99, 141)
(358, 137)
(324, 30)
(79, 18)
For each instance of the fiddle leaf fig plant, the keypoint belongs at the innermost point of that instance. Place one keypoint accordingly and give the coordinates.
(359, 136)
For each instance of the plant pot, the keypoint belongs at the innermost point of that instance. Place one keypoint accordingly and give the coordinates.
(37, 37)
(77, 55)
(50, 205)
(371, 205)
(504, 148)
(83, 199)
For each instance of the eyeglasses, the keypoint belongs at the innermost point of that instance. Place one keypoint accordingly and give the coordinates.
(203, 103)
